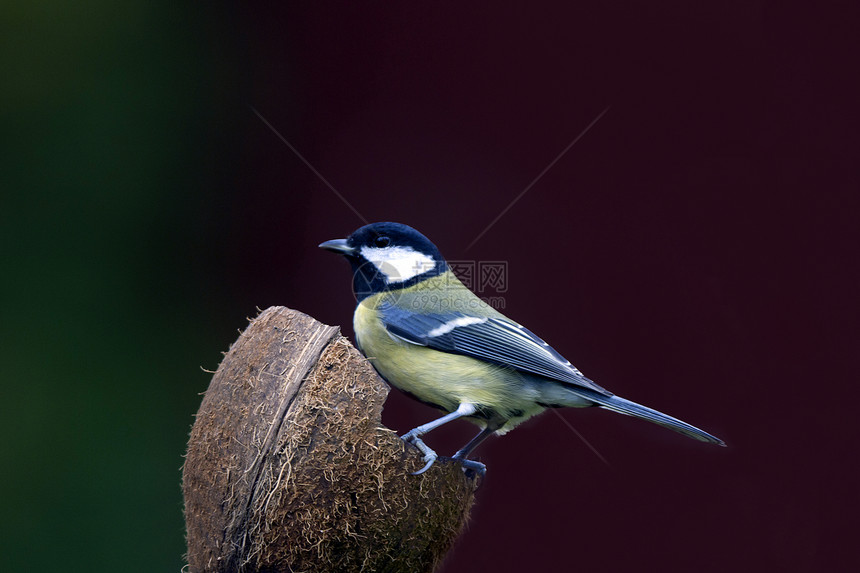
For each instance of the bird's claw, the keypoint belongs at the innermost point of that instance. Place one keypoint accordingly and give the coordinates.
(430, 458)
(471, 467)
(429, 455)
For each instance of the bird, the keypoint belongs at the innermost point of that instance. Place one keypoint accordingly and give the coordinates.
(431, 337)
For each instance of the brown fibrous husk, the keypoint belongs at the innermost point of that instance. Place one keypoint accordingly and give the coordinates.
(289, 467)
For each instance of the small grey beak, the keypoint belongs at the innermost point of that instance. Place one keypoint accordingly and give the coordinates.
(338, 246)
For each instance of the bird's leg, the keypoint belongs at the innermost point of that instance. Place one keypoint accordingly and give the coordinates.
(464, 452)
(474, 443)
(414, 436)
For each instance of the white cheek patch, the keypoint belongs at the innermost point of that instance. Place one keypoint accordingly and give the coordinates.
(398, 264)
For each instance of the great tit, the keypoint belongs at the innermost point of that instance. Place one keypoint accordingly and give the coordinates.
(431, 337)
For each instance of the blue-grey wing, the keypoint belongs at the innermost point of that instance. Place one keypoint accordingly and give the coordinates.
(492, 339)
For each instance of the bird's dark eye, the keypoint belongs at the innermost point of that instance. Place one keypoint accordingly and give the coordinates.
(381, 241)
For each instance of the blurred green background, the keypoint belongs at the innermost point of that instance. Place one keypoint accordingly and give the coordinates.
(115, 121)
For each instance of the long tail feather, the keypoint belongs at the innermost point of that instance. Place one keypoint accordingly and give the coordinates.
(622, 406)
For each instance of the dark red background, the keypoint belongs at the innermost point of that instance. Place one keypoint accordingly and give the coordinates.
(695, 251)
